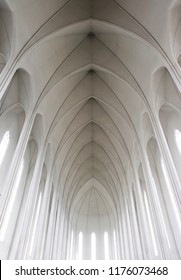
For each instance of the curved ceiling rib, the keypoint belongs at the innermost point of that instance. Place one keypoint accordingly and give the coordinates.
(88, 91)
(91, 65)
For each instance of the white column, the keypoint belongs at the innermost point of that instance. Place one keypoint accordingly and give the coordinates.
(135, 227)
(51, 227)
(30, 206)
(43, 219)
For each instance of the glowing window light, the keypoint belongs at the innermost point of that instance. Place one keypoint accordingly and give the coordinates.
(106, 246)
(71, 245)
(171, 194)
(115, 245)
(35, 223)
(11, 202)
(3, 146)
(150, 224)
(178, 140)
(80, 245)
(93, 246)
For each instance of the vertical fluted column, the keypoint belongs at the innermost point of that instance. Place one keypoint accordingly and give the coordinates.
(51, 227)
(129, 230)
(43, 219)
(13, 169)
(12, 175)
(30, 206)
(156, 213)
(156, 207)
(57, 231)
(145, 233)
(169, 165)
(135, 226)
(125, 228)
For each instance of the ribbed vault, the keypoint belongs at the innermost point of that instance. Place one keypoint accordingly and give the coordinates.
(86, 70)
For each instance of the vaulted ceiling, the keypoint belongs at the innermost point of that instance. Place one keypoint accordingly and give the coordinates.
(88, 70)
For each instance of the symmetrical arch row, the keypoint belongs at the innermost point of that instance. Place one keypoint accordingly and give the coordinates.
(90, 134)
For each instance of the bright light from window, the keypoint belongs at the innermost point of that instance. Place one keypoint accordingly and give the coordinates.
(80, 245)
(71, 245)
(106, 246)
(11, 202)
(35, 223)
(93, 246)
(171, 194)
(178, 140)
(150, 224)
(3, 146)
(115, 245)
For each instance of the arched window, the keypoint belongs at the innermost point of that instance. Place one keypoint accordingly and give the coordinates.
(4, 146)
(11, 201)
(178, 140)
(93, 246)
(106, 246)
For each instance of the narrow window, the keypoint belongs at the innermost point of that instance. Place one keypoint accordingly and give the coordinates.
(115, 245)
(71, 245)
(80, 245)
(93, 246)
(106, 246)
(11, 201)
(4, 146)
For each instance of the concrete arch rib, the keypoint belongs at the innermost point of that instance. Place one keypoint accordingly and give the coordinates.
(72, 124)
(66, 154)
(56, 77)
(77, 176)
(96, 208)
(91, 83)
(86, 188)
(79, 159)
(104, 153)
(89, 95)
